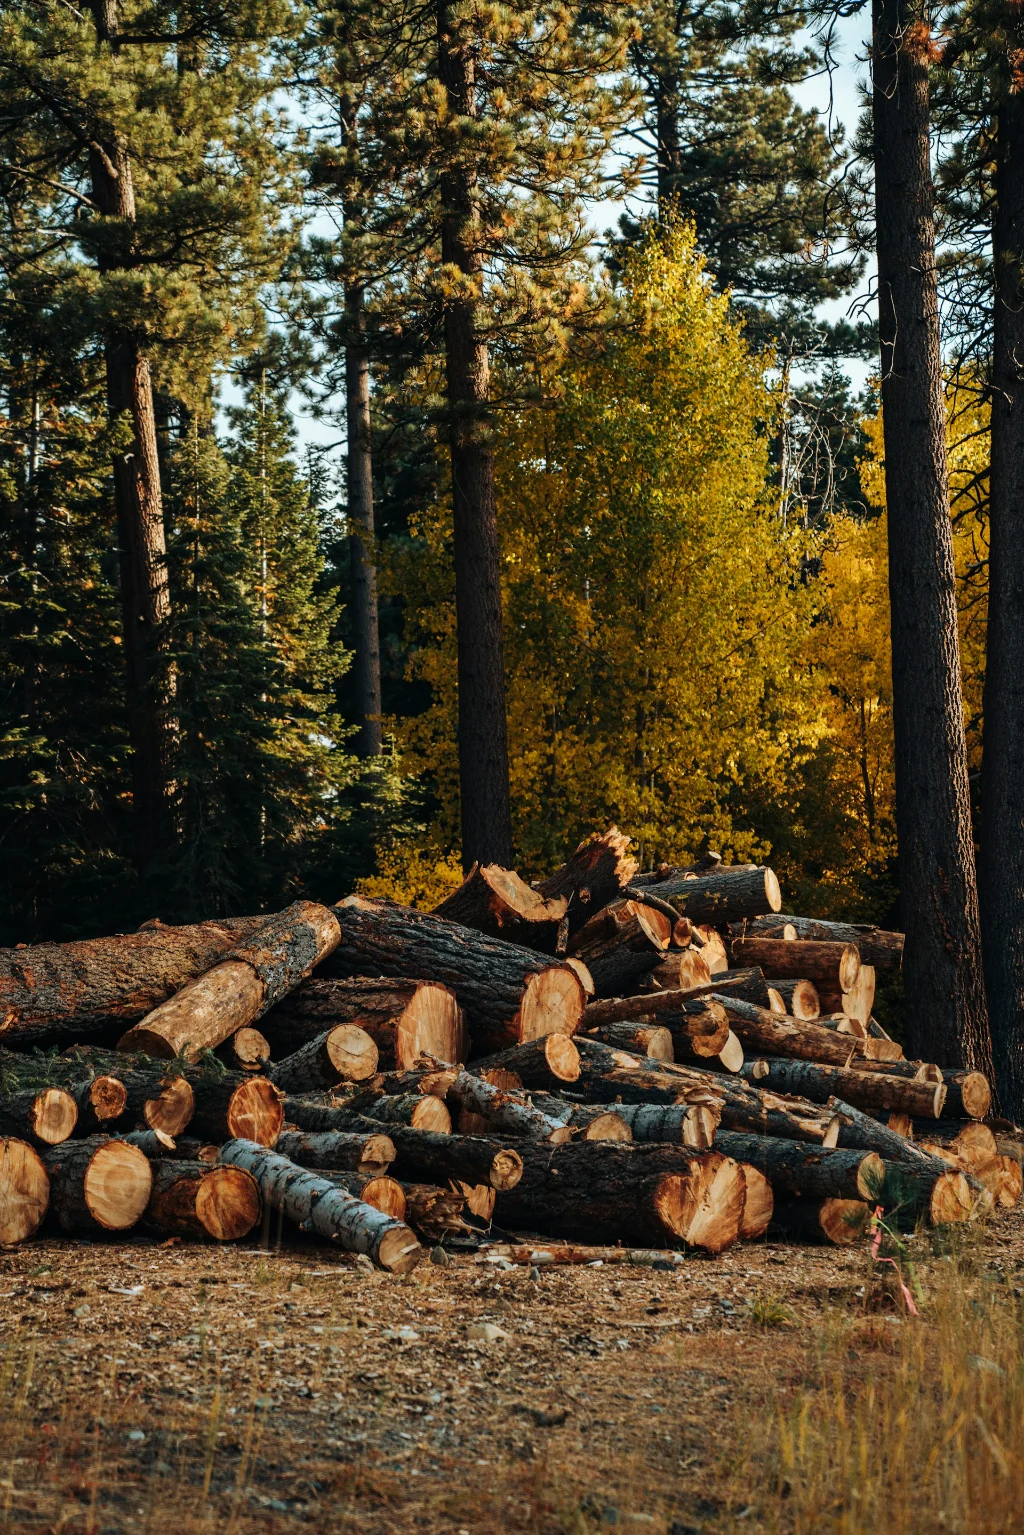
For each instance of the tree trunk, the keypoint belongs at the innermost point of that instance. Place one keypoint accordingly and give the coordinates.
(361, 553)
(405, 1019)
(793, 1167)
(682, 970)
(24, 1191)
(195, 1200)
(509, 1113)
(833, 964)
(723, 896)
(98, 1183)
(621, 944)
(855, 1003)
(377, 1189)
(100, 1102)
(843, 1222)
(593, 1122)
(643, 1037)
(46, 1116)
(875, 946)
(160, 1103)
(509, 994)
(483, 743)
(358, 1152)
(865, 1091)
(595, 875)
(947, 1018)
(1002, 786)
(320, 1206)
(775, 1035)
(247, 1050)
(551, 1062)
(342, 1054)
(429, 1158)
(968, 1093)
(422, 1111)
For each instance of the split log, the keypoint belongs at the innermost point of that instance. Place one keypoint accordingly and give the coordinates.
(877, 1093)
(712, 949)
(680, 970)
(384, 1193)
(793, 1167)
(591, 1121)
(357, 1151)
(551, 1062)
(98, 1184)
(857, 1002)
(509, 994)
(319, 1206)
(100, 1101)
(246, 1050)
(435, 1213)
(236, 1107)
(723, 895)
(595, 875)
(968, 1094)
(839, 1023)
(633, 1192)
(511, 1113)
(193, 1199)
(479, 1199)
(841, 1222)
(24, 1191)
(640, 1036)
(877, 947)
(241, 987)
(759, 1205)
(420, 1111)
(621, 944)
(835, 965)
(801, 998)
(345, 1053)
(425, 1157)
(405, 1019)
(497, 902)
(45, 1116)
(760, 1029)
(50, 992)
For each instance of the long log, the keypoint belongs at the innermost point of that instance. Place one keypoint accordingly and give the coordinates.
(966, 1138)
(24, 1191)
(157, 1096)
(723, 895)
(405, 1018)
(194, 1199)
(793, 1167)
(759, 1029)
(508, 1112)
(643, 1036)
(241, 987)
(345, 1053)
(633, 1192)
(45, 1116)
(692, 1125)
(877, 1093)
(509, 993)
(877, 947)
(861, 1131)
(595, 875)
(425, 1157)
(621, 944)
(236, 1106)
(356, 1151)
(497, 902)
(320, 1206)
(692, 1013)
(550, 1062)
(51, 992)
(834, 965)
(98, 1184)
(968, 1094)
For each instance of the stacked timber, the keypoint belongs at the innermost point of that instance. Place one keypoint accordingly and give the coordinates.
(659, 1059)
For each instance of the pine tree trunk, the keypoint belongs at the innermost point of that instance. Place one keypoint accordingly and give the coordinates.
(362, 570)
(483, 740)
(947, 1018)
(1002, 782)
(405, 1019)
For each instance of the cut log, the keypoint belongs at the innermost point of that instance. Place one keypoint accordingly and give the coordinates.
(759, 1029)
(877, 1093)
(968, 1094)
(319, 1206)
(595, 875)
(839, 1023)
(155, 1144)
(550, 1062)
(620, 945)
(24, 1191)
(368, 1152)
(693, 1125)
(801, 999)
(759, 1205)
(100, 1101)
(508, 1112)
(479, 1199)
(749, 985)
(497, 902)
(861, 1131)
(377, 1189)
(193, 1199)
(841, 1222)
(241, 987)
(421, 1111)
(405, 1019)
(428, 1079)
(345, 1053)
(51, 992)
(435, 1213)
(679, 1011)
(877, 947)
(731, 1056)
(586, 980)
(45, 1116)
(712, 948)
(1003, 1177)
(793, 1167)
(425, 1157)
(589, 1121)
(98, 1184)
(776, 1003)
(509, 993)
(236, 1107)
(722, 896)
(247, 1050)
(967, 1139)
(608, 1075)
(643, 1038)
(633, 1192)
(855, 1003)
(164, 1103)
(835, 965)
(680, 970)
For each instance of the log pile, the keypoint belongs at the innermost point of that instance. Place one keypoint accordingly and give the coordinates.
(664, 1060)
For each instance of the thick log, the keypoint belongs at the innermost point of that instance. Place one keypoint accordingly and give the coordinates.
(693, 1125)
(633, 1192)
(759, 1029)
(508, 1112)
(45, 1116)
(246, 1050)
(967, 1139)
(435, 1213)
(855, 1003)
(1002, 1177)
(241, 987)
(620, 945)
(50, 992)
(357, 1151)
(320, 1206)
(590, 1121)
(406, 1019)
(24, 1191)
(100, 1101)
(98, 1184)
(345, 1053)
(377, 1189)
(509, 994)
(641, 1036)
(793, 1167)
(968, 1094)
(759, 1205)
(497, 902)
(877, 947)
(724, 895)
(835, 965)
(157, 1096)
(841, 1222)
(861, 1131)
(801, 999)
(595, 875)
(550, 1062)
(425, 1157)
(680, 970)
(420, 1111)
(236, 1107)
(193, 1199)
(877, 1093)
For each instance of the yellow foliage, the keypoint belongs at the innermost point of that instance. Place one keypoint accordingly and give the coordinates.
(414, 874)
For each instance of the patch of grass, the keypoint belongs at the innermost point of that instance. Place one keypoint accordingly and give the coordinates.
(768, 1311)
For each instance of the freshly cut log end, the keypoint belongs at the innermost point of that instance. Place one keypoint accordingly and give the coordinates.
(100, 1101)
(857, 1001)
(253, 1111)
(722, 895)
(649, 1039)
(247, 1050)
(974, 1092)
(680, 970)
(596, 874)
(731, 1056)
(52, 1117)
(1003, 1177)
(951, 1200)
(584, 976)
(553, 1003)
(800, 998)
(384, 1193)
(759, 1205)
(405, 1019)
(366, 1153)
(345, 1053)
(841, 1222)
(831, 964)
(606, 1126)
(545, 1062)
(713, 951)
(431, 1114)
(712, 1208)
(105, 1184)
(228, 1203)
(24, 1191)
(172, 1107)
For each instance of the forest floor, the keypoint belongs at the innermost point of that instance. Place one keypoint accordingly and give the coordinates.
(151, 1387)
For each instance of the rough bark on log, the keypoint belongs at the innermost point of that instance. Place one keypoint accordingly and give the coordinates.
(877, 947)
(793, 1167)
(621, 944)
(801, 998)
(683, 1012)
(841, 1222)
(641, 1036)
(157, 1096)
(45, 1116)
(591, 1121)
(550, 1062)
(241, 987)
(100, 1101)
(607, 1074)
(968, 1094)
(429, 1158)
(246, 1050)
(595, 875)
(680, 970)
(435, 1213)
(356, 1151)
(98, 1183)
(320, 1206)
(723, 895)
(405, 1019)
(712, 949)
(24, 1191)
(875, 1092)
(759, 1205)
(427, 1079)
(835, 965)
(749, 985)
(497, 902)
(509, 994)
(633, 1192)
(759, 1029)
(861, 1131)
(510, 1113)
(50, 992)
(193, 1199)
(236, 1107)
(694, 1125)
(420, 1111)
(380, 1190)
(155, 1144)
(345, 1053)
(855, 1003)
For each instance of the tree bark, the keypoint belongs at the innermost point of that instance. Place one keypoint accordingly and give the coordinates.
(1002, 785)
(405, 1019)
(421, 1111)
(236, 1107)
(793, 1167)
(509, 1113)
(833, 964)
(876, 1093)
(45, 1116)
(357, 1152)
(551, 1062)
(24, 1191)
(775, 1035)
(342, 1054)
(497, 902)
(483, 740)
(593, 1122)
(642, 1036)
(682, 970)
(875, 946)
(968, 1093)
(692, 1125)
(429, 1158)
(361, 553)
(98, 1184)
(100, 1102)
(947, 1019)
(195, 1200)
(723, 896)
(377, 1189)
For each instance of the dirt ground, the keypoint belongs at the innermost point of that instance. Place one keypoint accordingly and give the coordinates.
(237, 1389)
